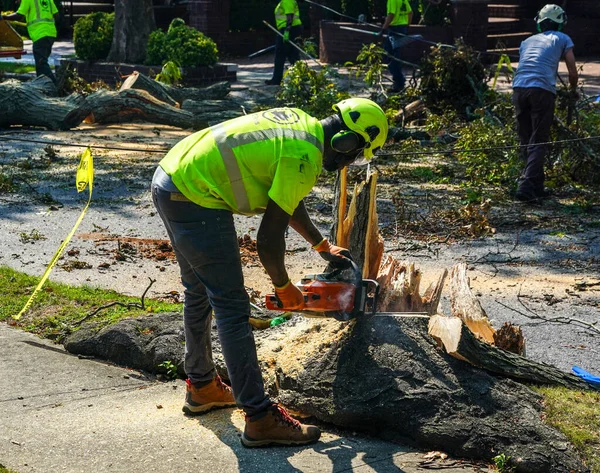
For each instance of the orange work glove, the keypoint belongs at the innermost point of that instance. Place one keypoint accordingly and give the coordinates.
(289, 296)
(338, 257)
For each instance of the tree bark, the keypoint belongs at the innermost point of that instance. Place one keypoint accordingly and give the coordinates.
(130, 105)
(461, 343)
(134, 21)
(386, 376)
(34, 103)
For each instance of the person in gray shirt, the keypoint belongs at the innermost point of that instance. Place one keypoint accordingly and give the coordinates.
(534, 95)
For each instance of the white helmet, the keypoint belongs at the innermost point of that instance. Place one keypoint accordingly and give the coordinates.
(554, 13)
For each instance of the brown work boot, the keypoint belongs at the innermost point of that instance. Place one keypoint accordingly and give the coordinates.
(276, 426)
(215, 394)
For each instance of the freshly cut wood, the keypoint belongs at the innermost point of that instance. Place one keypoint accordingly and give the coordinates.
(399, 284)
(143, 82)
(373, 240)
(362, 241)
(130, 105)
(466, 306)
(459, 342)
(33, 103)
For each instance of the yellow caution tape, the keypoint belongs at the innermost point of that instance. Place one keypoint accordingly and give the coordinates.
(84, 178)
(504, 59)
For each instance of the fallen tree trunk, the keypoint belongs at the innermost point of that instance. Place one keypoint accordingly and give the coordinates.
(173, 94)
(130, 105)
(33, 103)
(459, 342)
(213, 111)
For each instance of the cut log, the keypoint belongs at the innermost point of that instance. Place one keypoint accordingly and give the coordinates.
(461, 343)
(130, 105)
(466, 306)
(34, 103)
(143, 82)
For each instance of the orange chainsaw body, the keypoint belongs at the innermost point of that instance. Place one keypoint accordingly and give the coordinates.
(341, 294)
(321, 296)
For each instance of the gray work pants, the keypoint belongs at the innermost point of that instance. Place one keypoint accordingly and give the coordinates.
(205, 243)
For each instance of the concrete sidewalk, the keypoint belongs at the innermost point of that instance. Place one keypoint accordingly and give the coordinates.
(62, 413)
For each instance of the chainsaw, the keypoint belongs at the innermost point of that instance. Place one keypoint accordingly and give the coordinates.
(342, 294)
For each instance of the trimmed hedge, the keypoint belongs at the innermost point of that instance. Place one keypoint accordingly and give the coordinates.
(181, 44)
(93, 35)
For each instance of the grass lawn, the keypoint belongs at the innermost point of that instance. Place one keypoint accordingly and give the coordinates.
(6, 470)
(577, 415)
(58, 308)
(16, 68)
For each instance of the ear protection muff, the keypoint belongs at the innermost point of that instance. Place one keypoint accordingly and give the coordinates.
(347, 141)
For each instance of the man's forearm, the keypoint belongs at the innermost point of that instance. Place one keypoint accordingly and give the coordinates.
(271, 251)
(302, 223)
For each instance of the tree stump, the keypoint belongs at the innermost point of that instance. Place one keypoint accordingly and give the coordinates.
(387, 377)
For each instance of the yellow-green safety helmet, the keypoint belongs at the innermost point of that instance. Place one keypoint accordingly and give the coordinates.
(365, 117)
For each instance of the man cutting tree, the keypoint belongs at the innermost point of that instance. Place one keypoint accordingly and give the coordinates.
(263, 163)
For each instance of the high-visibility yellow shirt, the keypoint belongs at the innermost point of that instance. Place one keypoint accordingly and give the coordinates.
(400, 9)
(240, 164)
(284, 8)
(39, 15)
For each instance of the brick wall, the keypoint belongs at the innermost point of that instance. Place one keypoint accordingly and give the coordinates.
(211, 17)
(112, 73)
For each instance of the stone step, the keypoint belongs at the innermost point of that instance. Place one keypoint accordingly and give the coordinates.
(506, 40)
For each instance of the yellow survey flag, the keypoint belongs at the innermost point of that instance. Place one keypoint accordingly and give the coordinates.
(84, 178)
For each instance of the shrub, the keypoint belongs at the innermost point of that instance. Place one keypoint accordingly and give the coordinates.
(452, 77)
(182, 45)
(93, 35)
(312, 91)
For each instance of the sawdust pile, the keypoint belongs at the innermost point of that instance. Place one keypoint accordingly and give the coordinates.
(288, 347)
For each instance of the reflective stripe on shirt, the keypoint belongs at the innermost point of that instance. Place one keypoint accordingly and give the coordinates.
(225, 145)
